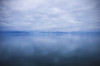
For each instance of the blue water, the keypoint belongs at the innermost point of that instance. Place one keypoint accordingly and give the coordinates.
(49, 49)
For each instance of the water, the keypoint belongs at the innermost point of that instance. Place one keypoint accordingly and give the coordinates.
(49, 49)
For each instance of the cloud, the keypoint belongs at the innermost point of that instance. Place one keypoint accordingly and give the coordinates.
(50, 15)
(23, 5)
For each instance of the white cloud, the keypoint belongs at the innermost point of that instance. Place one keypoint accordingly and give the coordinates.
(55, 10)
(23, 5)
(50, 15)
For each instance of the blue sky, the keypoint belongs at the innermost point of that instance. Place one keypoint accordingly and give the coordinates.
(50, 15)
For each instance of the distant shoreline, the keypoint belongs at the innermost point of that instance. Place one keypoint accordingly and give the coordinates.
(49, 32)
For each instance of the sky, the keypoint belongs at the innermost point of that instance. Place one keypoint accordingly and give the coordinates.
(50, 15)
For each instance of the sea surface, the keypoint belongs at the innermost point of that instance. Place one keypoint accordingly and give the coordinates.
(49, 49)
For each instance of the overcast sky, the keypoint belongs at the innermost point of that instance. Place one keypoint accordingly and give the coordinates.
(50, 15)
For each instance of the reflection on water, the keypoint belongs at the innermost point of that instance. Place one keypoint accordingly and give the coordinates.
(49, 49)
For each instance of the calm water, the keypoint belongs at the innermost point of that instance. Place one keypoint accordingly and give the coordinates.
(49, 49)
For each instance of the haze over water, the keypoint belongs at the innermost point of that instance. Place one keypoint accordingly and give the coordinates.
(49, 32)
(49, 49)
